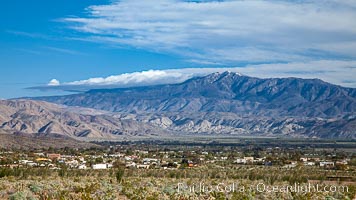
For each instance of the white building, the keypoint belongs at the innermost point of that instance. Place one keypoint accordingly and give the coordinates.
(24, 162)
(147, 161)
(309, 163)
(249, 159)
(102, 166)
(133, 164)
(82, 167)
(240, 161)
(259, 159)
(143, 166)
(326, 164)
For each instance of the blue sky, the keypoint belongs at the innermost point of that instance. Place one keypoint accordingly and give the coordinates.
(94, 44)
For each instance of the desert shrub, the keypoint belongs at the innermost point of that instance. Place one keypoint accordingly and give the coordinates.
(5, 172)
(172, 174)
(18, 196)
(218, 195)
(240, 196)
(120, 174)
(35, 188)
(62, 172)
(154, 196)
(169, 190)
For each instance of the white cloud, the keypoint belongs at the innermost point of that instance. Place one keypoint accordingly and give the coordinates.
(144, 78)
(306, 39)
(337, 72)
(54, 82)
(226, 31)
(137, 78)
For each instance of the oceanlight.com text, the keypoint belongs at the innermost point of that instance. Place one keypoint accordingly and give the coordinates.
(202, 187)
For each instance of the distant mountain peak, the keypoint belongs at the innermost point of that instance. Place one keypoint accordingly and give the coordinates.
(225, 73)
(221, 75)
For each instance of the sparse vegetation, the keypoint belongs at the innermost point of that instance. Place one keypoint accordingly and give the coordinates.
(177, 171)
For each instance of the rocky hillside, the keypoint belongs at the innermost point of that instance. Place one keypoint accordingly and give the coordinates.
(41, 118)
(231, 123)
(36, 119)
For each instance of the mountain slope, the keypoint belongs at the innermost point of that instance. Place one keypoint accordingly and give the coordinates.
(225, 92)
(24, 119)
(234, 124)
(42, 118)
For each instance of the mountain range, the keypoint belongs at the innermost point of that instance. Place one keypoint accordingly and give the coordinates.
(220, 103)
(225, 92)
